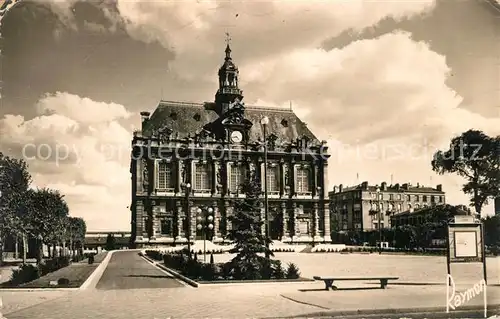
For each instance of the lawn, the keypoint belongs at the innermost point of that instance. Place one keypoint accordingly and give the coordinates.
(76, 273)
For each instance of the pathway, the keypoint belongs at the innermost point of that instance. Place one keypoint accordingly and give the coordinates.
(128, 270)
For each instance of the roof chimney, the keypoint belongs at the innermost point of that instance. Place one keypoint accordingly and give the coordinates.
(364, 185)
(341, 187)
(144, 119)
(397, 186)
(439, 187)
(406, 186)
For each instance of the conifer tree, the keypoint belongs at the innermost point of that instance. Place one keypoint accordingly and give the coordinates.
(246, 234)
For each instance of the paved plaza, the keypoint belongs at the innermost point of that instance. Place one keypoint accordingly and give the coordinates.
(131, 287)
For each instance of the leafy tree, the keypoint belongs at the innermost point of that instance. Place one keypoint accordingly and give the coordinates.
(110, 242)
(492, 230)
(14, 183)
(46, 216)
(76, 229)
(406, 237)
(475, 157)
(247, 236)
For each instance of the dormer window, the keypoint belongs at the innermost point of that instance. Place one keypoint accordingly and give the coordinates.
(173, 116)
(284, 123)
(197, 117)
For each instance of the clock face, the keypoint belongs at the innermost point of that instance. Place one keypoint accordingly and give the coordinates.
(236, 137)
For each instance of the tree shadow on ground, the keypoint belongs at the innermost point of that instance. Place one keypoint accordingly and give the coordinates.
(149, 276)
(354, 288)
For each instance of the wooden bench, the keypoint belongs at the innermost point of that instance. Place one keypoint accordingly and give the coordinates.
(329, 280)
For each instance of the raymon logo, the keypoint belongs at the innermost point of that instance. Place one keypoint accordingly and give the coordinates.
(457, 299)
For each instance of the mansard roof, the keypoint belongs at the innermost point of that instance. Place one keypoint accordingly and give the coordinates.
(185, 118)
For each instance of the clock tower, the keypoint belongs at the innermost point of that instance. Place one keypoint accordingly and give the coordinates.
(231, 126)
(228, 93)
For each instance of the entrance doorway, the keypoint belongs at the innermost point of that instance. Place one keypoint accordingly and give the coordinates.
(276, 226)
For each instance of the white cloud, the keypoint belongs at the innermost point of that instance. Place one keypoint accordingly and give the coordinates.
(90, 155)
(259, 28)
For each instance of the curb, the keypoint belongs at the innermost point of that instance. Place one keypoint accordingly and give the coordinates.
(250, 282)
(36, 289)
(170, 271)
(378, 312)
(179, 276)
(96, 275)
(196, 284)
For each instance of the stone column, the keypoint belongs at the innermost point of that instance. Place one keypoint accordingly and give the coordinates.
(179, 181)
(325, 205)
(282, 177)
(313, 179)
(217, 217)
(286, 180)
(286, 218)
(179, 222)
(193, 221)
(263, 218)
(228, 212)
(213, 178)
(316, 233)
(296, 229)
(140, 227)
(218, 177)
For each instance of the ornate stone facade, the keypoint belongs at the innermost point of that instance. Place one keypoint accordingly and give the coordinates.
(213, 147)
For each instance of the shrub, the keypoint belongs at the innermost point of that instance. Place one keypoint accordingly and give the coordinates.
(24, 274)
(226, 270)
(278, 270)
(192, 269)
(154, 254)
(207, 271)
(266, 269)
(292, 271)
(63, 282)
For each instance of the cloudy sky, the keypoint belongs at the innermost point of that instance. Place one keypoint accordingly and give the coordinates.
(384, 82)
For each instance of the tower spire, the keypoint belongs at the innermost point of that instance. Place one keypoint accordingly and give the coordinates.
(228, 48)
(228, 74)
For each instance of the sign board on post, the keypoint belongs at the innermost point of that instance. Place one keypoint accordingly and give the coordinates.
(464, 219)
(465, 245)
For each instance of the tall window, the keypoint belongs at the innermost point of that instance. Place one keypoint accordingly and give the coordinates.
(202, 177)
(273, 179)
(165, 176)
(303, 180)
(424, 198)
(237, 177)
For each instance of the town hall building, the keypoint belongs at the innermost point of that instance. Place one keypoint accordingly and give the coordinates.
(193, 156)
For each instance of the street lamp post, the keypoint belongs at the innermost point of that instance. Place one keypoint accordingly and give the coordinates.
(265, 121)
(187, 191)
(379, 211)
(205, 224)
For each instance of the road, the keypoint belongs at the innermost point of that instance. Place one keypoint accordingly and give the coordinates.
(128, 270)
